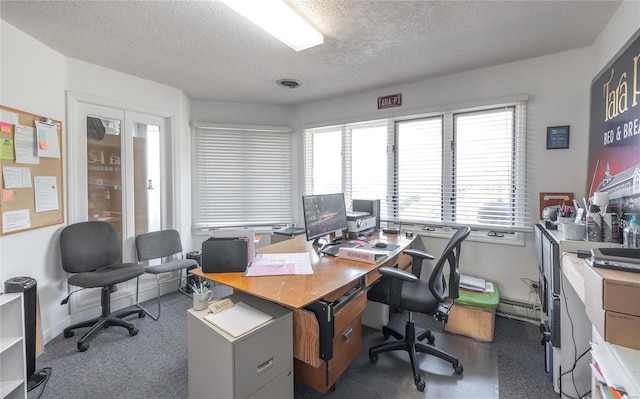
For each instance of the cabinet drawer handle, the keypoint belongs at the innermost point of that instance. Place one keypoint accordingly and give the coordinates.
(347, 334)
(264, 366)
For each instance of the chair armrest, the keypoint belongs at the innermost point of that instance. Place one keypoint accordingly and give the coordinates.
(417, 257)
(398, 274)
(418, 253)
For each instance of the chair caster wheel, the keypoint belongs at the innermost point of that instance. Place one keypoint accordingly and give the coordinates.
(83, 346)
(431, 339)
(458, 369)
(373, 358)
(133, 331)
(68, 334)
(420, 385)
(142, 314)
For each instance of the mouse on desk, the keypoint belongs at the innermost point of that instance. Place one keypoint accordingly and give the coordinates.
(380, 245)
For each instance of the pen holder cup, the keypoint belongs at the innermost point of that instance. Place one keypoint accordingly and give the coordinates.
(564, 220)
(201, 301)
(573, 231)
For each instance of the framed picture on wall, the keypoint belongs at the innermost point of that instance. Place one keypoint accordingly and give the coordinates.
(557, 137)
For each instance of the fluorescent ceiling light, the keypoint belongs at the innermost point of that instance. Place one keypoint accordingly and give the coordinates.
(277, 19)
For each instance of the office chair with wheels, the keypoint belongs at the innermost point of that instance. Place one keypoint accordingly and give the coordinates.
(166, 246)
(90, 251)
(405, 290)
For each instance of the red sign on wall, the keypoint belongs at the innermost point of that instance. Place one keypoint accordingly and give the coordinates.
(394, 100)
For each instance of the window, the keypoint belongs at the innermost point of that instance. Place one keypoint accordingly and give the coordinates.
(242, 177)
(459, 167)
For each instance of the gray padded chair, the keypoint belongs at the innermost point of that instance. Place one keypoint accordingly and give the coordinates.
(166, 246)
(91, 252)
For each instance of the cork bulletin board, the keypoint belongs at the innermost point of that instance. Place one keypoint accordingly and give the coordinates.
(31, 180)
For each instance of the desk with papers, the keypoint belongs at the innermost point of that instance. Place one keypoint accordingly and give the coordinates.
(327, 305)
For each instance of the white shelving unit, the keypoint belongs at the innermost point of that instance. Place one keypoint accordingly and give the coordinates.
(620, 362)
(13, 371)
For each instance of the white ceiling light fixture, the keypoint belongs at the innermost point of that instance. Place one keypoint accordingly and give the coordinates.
(277, 19)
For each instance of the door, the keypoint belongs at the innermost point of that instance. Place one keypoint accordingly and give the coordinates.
(118, 174)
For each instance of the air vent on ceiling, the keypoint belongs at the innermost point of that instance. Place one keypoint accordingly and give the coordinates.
(289, 83)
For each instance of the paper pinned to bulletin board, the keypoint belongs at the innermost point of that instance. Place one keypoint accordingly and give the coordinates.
(31, 180)
(553, 199)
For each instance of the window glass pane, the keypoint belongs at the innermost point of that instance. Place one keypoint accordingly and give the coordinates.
(419, 170)
(484, 172)
(104, 177)
(327, 162)
(369, 163)
(147, 184)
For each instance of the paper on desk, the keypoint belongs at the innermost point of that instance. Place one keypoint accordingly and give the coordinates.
(239, 319)
(279, 264)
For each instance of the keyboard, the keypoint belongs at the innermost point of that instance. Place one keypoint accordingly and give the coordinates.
(334, 249)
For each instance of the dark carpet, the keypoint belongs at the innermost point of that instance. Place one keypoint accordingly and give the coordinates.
(153, 364)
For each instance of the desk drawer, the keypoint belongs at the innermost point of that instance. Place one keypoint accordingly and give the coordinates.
(347, 344)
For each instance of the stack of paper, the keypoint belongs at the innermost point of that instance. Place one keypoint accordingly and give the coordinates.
(472, 283)
(475, 284)
(239, 319)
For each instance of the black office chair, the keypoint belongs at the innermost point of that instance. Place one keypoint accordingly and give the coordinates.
(166, 246)
(91, 250)
(400, 289)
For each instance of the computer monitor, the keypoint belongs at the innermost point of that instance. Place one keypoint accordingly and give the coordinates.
(324, 214)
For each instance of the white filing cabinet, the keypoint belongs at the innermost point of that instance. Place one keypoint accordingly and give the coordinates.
(13, 369)
(258, 364)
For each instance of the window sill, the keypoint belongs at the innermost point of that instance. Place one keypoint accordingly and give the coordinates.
(514, 239)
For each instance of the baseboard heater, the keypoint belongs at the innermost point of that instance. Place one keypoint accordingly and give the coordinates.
(519, 310)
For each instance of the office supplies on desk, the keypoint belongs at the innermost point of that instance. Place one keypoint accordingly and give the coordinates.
(239, 319)
(334, 250)
(381, 246)
(361, 254)
(279, 264)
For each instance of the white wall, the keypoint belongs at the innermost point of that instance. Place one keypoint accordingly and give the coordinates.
(35, 79)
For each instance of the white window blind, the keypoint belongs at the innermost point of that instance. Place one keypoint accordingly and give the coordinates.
(419, 171)
(489, 177)
(459, 167)
(242, 177)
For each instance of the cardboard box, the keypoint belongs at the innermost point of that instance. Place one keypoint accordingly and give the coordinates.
(616, 328)
(613, 290)
(471, 321)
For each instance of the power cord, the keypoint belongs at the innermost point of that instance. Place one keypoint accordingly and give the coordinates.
(47, 371)
(573, 339)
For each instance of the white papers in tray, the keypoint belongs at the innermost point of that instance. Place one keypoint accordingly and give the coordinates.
(239, 319)
(472, 282)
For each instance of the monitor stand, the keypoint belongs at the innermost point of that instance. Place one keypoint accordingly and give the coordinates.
(324, 241)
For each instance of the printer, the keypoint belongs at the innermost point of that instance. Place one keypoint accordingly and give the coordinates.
(360, 223)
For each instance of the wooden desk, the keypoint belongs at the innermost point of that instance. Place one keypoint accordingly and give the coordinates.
(327, 305)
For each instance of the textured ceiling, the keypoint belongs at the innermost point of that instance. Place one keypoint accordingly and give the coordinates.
(211, 53)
